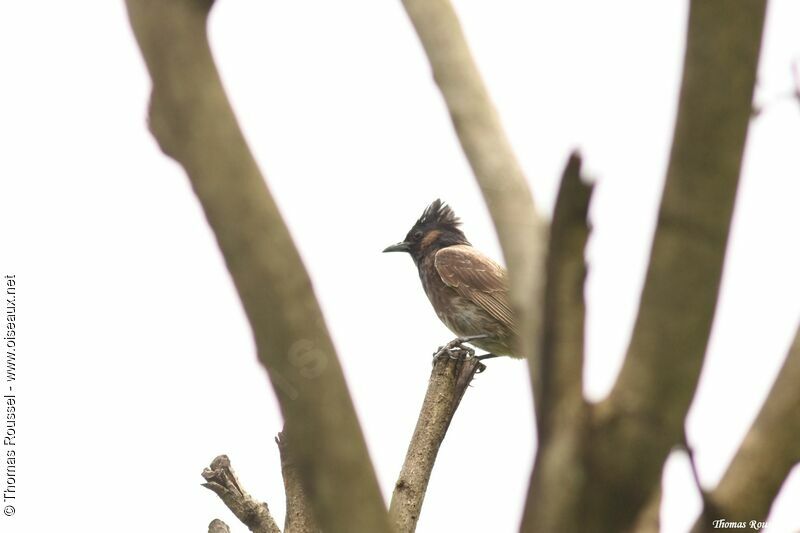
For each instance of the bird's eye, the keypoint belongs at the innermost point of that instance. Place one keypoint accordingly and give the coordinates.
(417, 235)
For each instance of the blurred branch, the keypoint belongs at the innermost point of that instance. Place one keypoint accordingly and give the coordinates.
(192, 120)
(520, 229)
(765, 457)
(448, 382)
(558, 476)
(299, 515)
(643, 418)
(649, 519)
(221, 479)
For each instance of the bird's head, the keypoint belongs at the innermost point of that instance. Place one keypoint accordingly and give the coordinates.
(437, 228)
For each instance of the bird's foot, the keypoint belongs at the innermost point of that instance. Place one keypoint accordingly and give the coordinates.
(454, 350)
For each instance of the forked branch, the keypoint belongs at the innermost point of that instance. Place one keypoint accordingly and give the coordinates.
(643, 418)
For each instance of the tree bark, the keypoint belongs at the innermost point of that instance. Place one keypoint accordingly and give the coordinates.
(299, 514)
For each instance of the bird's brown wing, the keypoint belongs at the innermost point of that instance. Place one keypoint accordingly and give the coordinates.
(475, 276)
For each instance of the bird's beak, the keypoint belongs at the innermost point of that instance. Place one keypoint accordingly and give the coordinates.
(399, 247)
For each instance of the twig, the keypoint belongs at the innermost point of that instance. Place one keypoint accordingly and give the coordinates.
(521, 230)
(448, 382)
(767, 454)
(218, 526)
(221, 479)
(299, 515)
(193, 122)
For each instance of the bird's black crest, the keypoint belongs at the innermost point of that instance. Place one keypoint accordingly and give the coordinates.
(439, 213)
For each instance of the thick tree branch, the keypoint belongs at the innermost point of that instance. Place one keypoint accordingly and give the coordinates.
(559, 474)
(221, 479)
(192, 120)
(767, 454)
(520, 229)
(639, 423)
(449, 380)
(299, 514)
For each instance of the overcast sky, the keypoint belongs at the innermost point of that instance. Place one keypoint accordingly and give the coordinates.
(136, 365)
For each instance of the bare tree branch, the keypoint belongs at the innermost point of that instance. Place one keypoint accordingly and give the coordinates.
(218, 526)
(192, 120)
(299, 514)
(558, 476)
(521, 230)
(562, 352)
(449, 380)
(221, 479)
(767, 454)
(643, 418)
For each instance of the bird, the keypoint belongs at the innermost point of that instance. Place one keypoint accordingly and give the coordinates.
(467, 289)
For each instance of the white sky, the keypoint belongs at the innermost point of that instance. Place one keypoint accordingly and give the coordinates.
(136, 365)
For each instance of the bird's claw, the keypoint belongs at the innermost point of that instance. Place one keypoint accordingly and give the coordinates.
(453, 353)
(455, 349)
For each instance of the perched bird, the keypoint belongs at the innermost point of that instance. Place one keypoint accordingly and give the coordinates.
(468, 291)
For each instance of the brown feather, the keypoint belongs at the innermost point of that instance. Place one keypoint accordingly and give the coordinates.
(478, 278)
